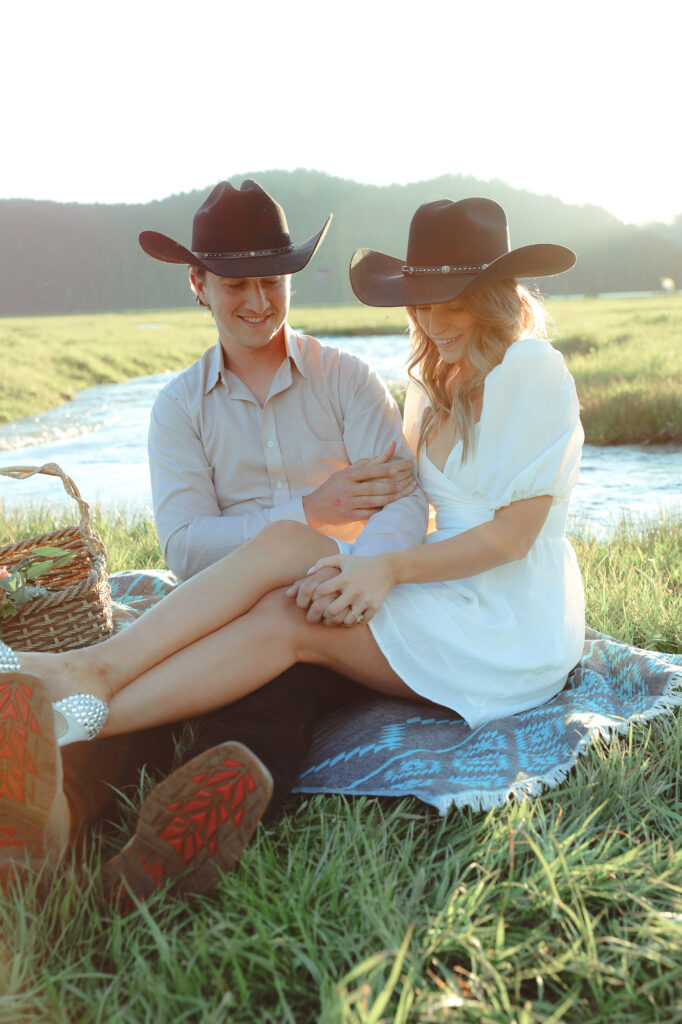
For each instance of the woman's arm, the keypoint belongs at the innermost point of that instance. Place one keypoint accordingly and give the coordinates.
(364, 582)
(505, 538)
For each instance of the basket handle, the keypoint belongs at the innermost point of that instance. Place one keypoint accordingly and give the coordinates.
(90, 539)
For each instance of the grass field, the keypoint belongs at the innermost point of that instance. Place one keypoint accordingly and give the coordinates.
(565, 908)
(625, 354)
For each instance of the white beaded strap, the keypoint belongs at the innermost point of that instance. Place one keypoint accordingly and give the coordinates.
(86, 710)
(8, 659)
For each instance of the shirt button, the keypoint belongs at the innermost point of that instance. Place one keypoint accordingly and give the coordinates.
(271, 443)
(279, 484)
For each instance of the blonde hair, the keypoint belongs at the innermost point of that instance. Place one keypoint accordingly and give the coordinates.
(504, 312)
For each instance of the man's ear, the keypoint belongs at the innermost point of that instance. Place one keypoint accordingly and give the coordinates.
(197, 286)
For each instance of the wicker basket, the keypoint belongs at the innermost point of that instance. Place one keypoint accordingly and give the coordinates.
(77, 611)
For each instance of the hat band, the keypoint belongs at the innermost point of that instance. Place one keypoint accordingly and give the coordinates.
(242, 255)
(444, 269)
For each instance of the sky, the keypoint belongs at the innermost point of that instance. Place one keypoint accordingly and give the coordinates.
(135, 101)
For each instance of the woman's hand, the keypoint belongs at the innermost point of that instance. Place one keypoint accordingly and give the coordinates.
(305, 593)
(360, 586)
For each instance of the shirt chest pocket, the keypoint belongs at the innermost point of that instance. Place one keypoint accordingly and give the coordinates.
(320, 459)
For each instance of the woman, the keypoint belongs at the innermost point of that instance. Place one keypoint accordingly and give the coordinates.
(487, 617)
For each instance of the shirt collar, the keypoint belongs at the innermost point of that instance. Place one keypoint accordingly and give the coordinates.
(294, 349)
(215, 369)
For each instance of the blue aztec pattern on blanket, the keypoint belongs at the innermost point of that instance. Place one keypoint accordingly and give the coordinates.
(387, 747)
(133, 591)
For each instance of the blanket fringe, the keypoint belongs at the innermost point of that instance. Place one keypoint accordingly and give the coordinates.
(487, 800)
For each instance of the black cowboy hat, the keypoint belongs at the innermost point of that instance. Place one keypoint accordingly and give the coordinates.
(237, 233)
(453, 248)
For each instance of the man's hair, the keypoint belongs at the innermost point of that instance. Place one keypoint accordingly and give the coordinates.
(504, 312)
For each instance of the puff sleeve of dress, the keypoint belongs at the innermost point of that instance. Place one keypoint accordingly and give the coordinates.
(531, 437)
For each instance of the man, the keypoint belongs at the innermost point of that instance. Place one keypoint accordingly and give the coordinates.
(266, 425)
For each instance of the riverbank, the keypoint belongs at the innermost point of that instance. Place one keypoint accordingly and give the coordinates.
(625, 355)
(564, 908)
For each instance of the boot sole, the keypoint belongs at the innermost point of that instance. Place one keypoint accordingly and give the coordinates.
(31, 802)
(192, 827)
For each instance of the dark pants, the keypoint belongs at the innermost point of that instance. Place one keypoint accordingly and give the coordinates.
(276, 722)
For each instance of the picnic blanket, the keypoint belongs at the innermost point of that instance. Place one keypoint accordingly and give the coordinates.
(387, 747)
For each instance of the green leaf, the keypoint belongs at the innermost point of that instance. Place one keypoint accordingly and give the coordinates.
(13, 584)
(53, 551)
(31, 572)
(64, 560)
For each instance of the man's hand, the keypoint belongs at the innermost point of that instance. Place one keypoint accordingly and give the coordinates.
(304, 593)
(358, 491)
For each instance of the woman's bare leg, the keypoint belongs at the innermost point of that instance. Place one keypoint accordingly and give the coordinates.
(241, 657)
(280, 554)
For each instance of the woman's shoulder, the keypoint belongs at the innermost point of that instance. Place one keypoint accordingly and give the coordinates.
(532, 348)
(534, 357)
(532, 374)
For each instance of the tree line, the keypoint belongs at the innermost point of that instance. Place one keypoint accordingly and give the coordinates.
(71, 257)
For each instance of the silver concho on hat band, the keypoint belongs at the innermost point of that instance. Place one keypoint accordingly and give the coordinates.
(444, 269)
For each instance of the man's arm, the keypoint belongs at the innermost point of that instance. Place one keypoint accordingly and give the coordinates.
(371, 422)
(371, 417)
(360, 490)
(192, 530)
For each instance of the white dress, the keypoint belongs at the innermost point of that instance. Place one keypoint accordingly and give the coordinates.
(504, 640)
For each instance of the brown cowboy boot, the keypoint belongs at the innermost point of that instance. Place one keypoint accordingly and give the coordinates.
(34, 813)
(192, 827)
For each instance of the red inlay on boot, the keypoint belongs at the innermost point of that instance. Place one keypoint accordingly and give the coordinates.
(33, 810)
(192, 827)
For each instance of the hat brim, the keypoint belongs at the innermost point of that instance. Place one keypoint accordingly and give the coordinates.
(163, 248)
(378, 279)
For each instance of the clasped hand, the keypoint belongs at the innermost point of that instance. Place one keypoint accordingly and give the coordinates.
(342, 590)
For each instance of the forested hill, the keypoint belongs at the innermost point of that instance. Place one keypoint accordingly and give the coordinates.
(70, 257)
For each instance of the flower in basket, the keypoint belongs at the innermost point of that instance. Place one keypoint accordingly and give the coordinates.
(20, 584)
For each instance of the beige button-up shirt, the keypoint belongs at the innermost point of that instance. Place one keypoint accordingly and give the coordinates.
(222, 467)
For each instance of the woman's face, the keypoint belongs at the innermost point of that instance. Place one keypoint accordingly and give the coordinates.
(449, 327)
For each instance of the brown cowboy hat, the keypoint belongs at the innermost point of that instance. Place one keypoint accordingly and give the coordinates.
(237, 233)
(453, 248)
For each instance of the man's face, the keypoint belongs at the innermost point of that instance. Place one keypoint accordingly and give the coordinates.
(248, 311)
